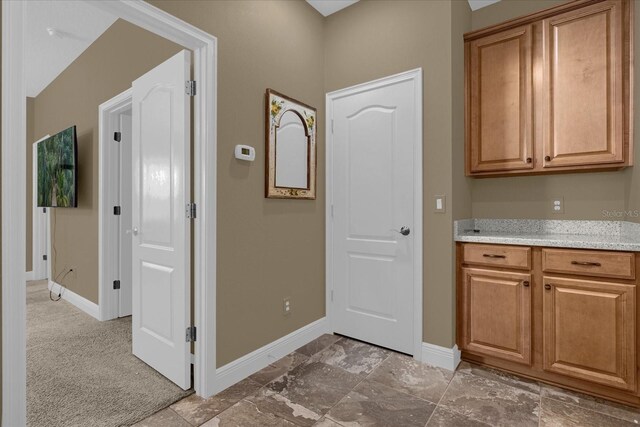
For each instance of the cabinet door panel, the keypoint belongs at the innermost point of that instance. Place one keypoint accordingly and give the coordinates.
(583, 86)
(501, 103)
(589, 331)
(497, 314)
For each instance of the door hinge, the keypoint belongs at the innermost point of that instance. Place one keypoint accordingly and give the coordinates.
(44, 210)
(44, 257)
(331, 125)
(331, 211)
(190, 87)
(117, 136)
(191, 210)
(116, 284)
(191, 334)
(117, 210)
(331, 296)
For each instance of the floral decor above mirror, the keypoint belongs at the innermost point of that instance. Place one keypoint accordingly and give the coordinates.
(290, 147)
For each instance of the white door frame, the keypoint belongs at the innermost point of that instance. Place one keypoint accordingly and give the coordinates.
(13, 164)
(108, 228)
(417, 228)
(38, 235)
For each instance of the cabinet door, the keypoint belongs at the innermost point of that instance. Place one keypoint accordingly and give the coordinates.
(589, 331)
(583, 87)
(500, 96)
(497, 314)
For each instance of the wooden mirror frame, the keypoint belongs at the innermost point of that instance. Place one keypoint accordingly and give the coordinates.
(277, 105)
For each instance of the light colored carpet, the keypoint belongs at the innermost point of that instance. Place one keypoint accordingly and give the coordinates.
(80, 372)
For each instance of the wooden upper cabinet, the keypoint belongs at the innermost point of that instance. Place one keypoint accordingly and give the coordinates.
(583, 86)
(551, 92)
(590, 331)
(501, 102)
(496, 314)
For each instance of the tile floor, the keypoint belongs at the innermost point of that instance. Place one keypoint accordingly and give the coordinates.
(338, 382)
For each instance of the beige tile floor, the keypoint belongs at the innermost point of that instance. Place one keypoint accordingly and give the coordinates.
(338, 382)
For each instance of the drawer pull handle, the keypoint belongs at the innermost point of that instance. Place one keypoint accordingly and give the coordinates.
(525, 283)
(493, 256)
(587, 263)
(547, 287)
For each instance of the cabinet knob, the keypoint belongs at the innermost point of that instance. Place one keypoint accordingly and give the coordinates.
(547, 158)
(529, 160)
(525, 283)
(547, 287)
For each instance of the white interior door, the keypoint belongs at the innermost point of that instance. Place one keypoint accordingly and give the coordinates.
(125, 235)
(40, 235)
(373, 149)
(161, 230)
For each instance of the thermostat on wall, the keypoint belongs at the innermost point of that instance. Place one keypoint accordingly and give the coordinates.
(245, 152)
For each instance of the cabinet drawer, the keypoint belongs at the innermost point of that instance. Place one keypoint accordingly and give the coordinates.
(589, 263)
(498, 255)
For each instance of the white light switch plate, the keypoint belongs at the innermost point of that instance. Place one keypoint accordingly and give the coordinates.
(440, 204)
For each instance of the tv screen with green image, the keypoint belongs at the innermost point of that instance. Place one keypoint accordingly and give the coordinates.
(57, 170)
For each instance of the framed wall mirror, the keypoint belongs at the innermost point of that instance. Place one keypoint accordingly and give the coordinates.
(290, 147)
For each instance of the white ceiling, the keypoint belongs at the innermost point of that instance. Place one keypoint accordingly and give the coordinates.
(479, 4)
(327, 7)
(77, 24)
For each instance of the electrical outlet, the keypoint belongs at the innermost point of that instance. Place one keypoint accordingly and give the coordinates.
(557, 206)
(286, 306)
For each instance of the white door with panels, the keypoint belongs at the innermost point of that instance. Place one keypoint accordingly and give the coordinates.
(375, 177)
(161, 228)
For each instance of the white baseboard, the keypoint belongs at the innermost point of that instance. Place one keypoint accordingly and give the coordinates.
(442, 357)
(251, 363)
(71, 297)
(29, 276)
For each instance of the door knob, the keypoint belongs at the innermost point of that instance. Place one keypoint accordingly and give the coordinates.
(405, 231)
(135, 231)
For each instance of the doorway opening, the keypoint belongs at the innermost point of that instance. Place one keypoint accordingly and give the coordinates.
(14, 215)
(115, 215)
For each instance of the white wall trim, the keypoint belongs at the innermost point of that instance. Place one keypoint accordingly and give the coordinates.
(442, 357)
(40, 234)
(14, 180)
(14, 150)
(28, 276)
(417, 228)
(74, 299)
(108, 229)
(251, 363)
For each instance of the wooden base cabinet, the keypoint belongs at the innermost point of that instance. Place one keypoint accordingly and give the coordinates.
(562, 316)
(497, 313)
(589, 331)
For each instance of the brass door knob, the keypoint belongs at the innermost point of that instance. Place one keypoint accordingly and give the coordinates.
(547, 287)
(547, 158)
(525, 283)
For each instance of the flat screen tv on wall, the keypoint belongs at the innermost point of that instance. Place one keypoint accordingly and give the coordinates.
(58, 170)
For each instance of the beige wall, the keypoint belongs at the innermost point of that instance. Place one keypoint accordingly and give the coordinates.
(29, 194)
(585, 195)
(268, 249)
(373, 39)
(123, 53)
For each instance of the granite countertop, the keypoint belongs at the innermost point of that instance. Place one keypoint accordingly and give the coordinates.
(606, 235)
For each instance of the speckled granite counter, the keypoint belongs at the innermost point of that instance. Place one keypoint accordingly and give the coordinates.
(606, 235)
